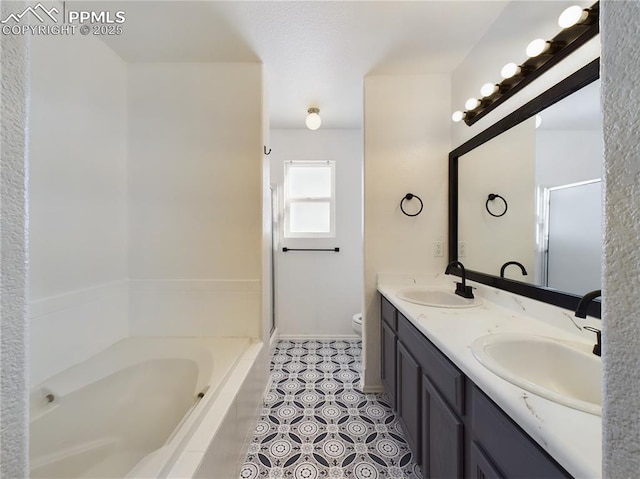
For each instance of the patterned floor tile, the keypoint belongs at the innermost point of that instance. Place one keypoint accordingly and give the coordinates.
(316, 423)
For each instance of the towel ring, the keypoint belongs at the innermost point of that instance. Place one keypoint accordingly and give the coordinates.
(410, 196)
(493, 196)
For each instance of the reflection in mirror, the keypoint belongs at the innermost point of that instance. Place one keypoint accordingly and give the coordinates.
(548, 169)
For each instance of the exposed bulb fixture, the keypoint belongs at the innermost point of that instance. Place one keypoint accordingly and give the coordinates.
(457, 116)
(510, 70)
(538, 121)
(572, 16)
(488, 89)
(313, 120)
(471, 103)
(579, 25)
(537, 47)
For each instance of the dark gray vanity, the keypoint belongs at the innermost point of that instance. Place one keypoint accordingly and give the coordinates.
(452, 427)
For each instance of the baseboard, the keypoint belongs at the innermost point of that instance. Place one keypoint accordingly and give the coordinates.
(307, 337)
(371, 389)
(274, 339)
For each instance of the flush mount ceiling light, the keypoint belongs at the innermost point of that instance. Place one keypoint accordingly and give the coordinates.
(579, 26)
(313, 120)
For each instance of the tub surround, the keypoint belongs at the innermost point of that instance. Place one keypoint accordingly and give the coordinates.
(96, 315)
(571, 437)
(154, 305)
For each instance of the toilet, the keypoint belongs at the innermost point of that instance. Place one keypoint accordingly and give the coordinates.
(356, 324)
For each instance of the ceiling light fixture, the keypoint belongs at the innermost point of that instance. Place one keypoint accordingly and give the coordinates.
(538, 121)
(313, 120)
(579, 26)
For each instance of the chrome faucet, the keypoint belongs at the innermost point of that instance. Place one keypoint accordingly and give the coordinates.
(461, 288)
(508, 263)
(581, 312)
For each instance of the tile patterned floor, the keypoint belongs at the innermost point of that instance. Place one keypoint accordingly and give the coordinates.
(316, 423)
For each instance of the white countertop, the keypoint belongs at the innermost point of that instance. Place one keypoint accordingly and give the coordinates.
(573, 438)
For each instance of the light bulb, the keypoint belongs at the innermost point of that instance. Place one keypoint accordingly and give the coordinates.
(538, 121)
(572, 15)
(510, 70)
(457, 116)
(488, 89)
(537, 47)
(471, 103)
(313, 120)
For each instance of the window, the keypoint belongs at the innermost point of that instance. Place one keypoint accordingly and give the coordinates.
(309, 199)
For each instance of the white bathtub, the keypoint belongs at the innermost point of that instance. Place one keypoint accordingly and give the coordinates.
(132, 410)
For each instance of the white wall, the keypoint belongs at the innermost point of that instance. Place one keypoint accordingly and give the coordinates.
(77, 201)
(621, 278)
(568, 156)
(406, 146)
(14, 405)
(506, 166)
(319, 292)
(194, 139)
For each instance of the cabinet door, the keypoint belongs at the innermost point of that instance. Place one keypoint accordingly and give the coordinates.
(442, 436)
(409, 410)
(508, 446)
(481, 467)
(389, 342)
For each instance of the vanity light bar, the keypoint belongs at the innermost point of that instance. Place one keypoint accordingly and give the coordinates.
(582, 26)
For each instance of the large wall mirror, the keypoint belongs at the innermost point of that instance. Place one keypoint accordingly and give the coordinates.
(525, 196)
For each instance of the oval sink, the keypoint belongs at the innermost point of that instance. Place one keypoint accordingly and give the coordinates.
(439, 298)
(556, 370)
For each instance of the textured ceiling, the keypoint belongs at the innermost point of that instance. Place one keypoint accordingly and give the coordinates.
(315, 53)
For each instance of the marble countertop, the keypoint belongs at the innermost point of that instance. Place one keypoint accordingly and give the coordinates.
(573, 438)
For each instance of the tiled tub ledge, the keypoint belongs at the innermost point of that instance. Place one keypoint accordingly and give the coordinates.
(571, 437)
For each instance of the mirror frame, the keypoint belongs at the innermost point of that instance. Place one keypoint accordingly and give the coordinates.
(571, 84)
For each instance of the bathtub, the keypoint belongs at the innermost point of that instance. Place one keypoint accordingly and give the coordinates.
(132, 410)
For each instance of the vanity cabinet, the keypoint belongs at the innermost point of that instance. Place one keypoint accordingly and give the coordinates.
(453, 429)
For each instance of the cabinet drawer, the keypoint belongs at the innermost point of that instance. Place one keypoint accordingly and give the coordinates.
(443, 374)
(388, 313)
(508, 447)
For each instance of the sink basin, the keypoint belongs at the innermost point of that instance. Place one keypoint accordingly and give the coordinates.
(440, 298)
(561, 371)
